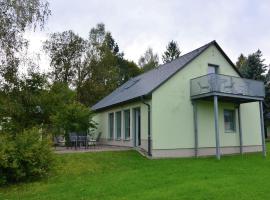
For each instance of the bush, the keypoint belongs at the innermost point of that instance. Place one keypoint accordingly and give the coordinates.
(25, 156)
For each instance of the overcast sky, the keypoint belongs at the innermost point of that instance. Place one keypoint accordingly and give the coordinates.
(239, 26)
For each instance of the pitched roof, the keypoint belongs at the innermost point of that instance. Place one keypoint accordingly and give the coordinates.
(146, 83)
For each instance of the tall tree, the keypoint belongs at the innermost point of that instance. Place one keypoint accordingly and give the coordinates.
(241, 62)
(93, 67)
(100, 66)
(65, 50)
(104, 66)
(149, 60)
(172, 52)
(15, 17)
(253, 66)
(21, 107)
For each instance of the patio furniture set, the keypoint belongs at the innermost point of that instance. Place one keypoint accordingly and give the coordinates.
(77, 140)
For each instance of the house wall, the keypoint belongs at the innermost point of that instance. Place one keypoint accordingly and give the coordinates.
(172, 111)
(103, 125)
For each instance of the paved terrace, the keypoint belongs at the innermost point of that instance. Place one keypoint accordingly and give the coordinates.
(98, 148)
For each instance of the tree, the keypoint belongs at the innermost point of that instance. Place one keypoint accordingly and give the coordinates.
(75, 117)
(65, 50)
(21, 107)
(172, 52)
(253, 66)
(16, 17)
(241, 62)
(128, 69)
(104, 67)
(149, 60)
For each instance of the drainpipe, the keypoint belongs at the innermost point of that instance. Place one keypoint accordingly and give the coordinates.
(149, 126)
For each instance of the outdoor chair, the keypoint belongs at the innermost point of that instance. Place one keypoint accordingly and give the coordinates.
(60, 140)
(93, 141)
(230, 87)
(73, 139)
(82, 139)
(203, 87)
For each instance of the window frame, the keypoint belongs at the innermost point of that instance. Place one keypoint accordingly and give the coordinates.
(111, 125)
(118, 137)
(216, 67)
(129, 124)
(233, 121)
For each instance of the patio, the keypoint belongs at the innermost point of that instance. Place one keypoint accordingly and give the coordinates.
(98, 148)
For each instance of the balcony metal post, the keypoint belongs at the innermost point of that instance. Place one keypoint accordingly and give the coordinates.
(240, 130)
(195, 121)
(262, 129)
(216, 127)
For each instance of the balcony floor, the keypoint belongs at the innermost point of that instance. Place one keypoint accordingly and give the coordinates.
(227, 97)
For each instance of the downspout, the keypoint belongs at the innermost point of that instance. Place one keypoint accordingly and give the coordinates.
(149, 125)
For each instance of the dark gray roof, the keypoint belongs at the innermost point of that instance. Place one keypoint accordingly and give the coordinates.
(146, 83)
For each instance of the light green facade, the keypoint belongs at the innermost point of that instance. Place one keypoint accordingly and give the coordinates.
(172, 125)
(103, 126)
(172, 111)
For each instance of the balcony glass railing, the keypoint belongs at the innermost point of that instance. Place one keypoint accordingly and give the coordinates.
(217, 83)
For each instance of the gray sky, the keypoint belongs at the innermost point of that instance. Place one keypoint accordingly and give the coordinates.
(239, 26)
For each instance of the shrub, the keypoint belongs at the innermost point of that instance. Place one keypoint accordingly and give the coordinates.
(25, 156)
(74, 117)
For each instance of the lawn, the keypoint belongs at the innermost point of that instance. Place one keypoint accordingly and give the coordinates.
(128, 175)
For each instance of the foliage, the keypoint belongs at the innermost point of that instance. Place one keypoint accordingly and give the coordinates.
(15, 17)
(94, 67)
(252, 67)
(22, 104)
(149, 60)
(24, 156)
(241, 62)
(74, 117)
(65, 50)
(172, 52)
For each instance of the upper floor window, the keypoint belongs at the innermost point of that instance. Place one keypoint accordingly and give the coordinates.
(212, 69)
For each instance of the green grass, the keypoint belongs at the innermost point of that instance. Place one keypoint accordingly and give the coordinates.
(128, 175)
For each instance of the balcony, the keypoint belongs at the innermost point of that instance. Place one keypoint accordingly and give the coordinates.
(228, 88)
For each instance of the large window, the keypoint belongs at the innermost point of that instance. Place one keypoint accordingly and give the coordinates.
(127, 124)
(118, 125)
(111, 125)
(229, 120)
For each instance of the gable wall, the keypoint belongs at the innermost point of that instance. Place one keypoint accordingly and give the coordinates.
(172, 111)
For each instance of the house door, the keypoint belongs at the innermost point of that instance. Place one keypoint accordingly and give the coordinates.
(137, 126)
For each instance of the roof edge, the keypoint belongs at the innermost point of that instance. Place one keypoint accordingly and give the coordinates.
(207, 46)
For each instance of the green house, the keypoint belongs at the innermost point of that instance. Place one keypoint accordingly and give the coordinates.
(196, 105)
